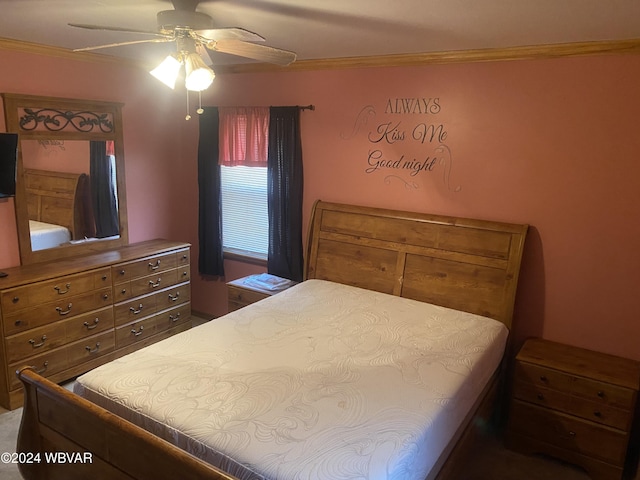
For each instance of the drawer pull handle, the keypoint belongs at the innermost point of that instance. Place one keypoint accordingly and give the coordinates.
(122, 272)
(173, 298)
(17, 323)
(598, 414)
(134, 311)
(185, 256)
(105, 296)
(156, 266)
(62, 292)
(64, 312)
(572, 434)
(38, 345)
(104, 277)
(40, 371)
(93, 350)
(184, 274)
(601, 394)
(543, 379)
(540, 396)
(138, 332)
(174, 318)
(154, 285)
(15, 299)
(91, 327)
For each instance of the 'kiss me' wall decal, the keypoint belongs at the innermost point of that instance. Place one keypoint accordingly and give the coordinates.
(405, 141)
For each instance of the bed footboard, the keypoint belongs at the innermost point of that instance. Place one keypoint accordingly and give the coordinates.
(63, 436)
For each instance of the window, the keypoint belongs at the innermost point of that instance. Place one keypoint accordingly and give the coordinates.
(243, 169)
(245, 225)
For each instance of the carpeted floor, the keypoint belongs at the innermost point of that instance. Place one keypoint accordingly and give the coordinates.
(9, 423)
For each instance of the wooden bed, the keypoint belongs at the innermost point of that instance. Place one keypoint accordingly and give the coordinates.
(468, 265)
(60, 198)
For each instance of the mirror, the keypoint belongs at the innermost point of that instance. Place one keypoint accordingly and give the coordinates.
(70, 195)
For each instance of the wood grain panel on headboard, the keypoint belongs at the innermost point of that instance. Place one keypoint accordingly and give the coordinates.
(465, 264)
(61, 199)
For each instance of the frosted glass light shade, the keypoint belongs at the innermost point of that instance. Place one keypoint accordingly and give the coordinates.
(199, 75)
(167, 72)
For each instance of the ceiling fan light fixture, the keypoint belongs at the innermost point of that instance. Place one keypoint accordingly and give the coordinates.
(167, 72)
(198, 75)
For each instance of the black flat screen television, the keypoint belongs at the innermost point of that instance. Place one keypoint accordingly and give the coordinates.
(8, 160)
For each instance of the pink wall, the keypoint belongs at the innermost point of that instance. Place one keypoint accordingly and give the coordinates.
(551, 143)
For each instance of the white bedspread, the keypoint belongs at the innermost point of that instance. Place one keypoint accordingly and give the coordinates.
(47, 235)
(322, 381)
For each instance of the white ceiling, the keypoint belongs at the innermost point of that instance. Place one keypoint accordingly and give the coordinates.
(320, 29)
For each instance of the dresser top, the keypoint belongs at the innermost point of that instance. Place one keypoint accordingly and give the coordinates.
(581, 362)
(35, 272)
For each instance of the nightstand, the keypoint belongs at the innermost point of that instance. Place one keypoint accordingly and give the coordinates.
(247, 290)
(576, 405)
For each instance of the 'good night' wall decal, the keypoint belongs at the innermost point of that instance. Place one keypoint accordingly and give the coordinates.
(405, 140)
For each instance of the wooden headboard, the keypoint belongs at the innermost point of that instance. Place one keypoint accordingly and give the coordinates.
(59, 198)
(465, 264)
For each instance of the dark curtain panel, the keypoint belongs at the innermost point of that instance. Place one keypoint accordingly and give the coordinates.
(210, 259)
(103, 195)
(284, 190)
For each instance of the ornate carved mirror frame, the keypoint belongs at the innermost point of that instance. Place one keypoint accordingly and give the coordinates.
(50, 119)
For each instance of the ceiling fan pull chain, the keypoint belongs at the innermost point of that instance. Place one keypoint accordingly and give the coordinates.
(200, 110)
(187, 117)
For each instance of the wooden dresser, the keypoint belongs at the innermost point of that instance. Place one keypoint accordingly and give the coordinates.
(68, 316)
(574, 404)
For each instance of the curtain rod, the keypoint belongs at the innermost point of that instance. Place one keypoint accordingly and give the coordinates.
(307, 107)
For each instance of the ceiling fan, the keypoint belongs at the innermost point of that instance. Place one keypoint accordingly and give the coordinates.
(194, 32)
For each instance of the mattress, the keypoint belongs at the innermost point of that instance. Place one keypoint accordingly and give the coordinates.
(322, 381)
(47, 235)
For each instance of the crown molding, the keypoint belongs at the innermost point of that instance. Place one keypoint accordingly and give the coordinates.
(397, 60)
(458, 56)
(59, 52)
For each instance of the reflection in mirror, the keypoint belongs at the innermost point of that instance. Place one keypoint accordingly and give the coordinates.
(71, 191)
(70, 195)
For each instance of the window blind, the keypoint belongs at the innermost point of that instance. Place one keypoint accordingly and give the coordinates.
(245, 222)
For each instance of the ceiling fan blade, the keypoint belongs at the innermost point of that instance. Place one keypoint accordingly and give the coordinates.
(120, 44)
(116, 29)
(204, 54)
(253, 51)
(234, 33)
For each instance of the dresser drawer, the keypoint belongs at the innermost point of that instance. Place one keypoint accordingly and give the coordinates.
(16, 299)
(45, 364)
(132, 310)
(90, 348)
(174, 296)
(89, 324)
(568, 432)
(153, 283)
(140, 268)
(35, 341)
(54, 311)
(152, 325)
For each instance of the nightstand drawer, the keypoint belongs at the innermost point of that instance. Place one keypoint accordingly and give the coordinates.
(562, 402)
(568, 432)
(543, 377)
(245, 297)
(604, 393)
